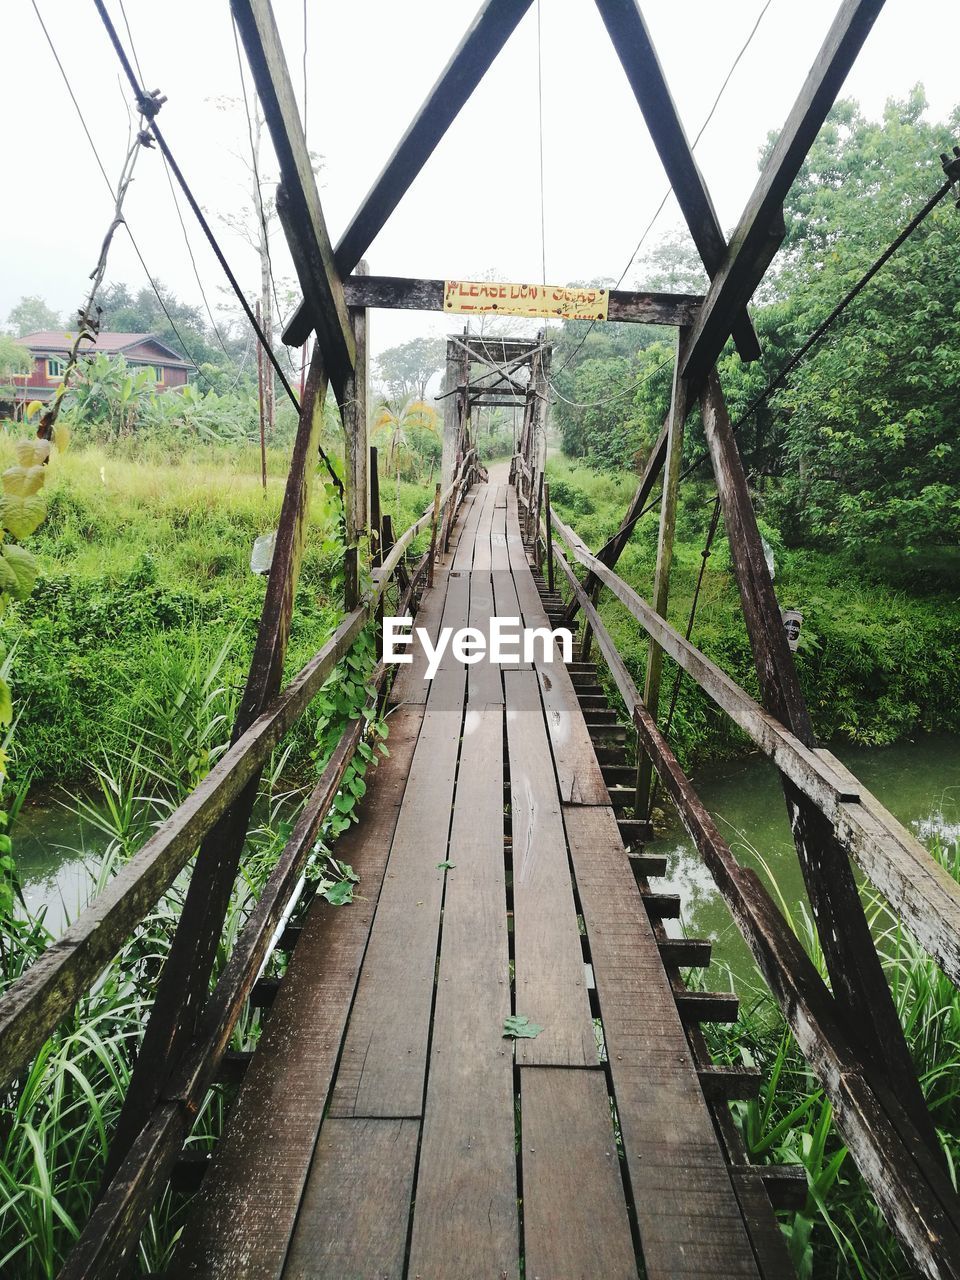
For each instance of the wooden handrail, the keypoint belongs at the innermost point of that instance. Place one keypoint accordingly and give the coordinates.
(911, 1187)
(913, 882)
(33, 1006)
(115, 1224)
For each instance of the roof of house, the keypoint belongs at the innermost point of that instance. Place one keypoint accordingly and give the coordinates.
(109, 343)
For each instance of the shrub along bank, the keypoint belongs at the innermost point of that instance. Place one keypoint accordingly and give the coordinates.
(879, 650)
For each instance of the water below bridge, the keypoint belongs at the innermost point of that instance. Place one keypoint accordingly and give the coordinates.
(59, 852)
(918, 781)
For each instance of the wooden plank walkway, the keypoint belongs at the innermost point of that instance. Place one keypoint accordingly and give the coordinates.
(386, 1128)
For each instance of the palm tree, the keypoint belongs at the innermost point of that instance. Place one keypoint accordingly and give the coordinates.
(398, 422)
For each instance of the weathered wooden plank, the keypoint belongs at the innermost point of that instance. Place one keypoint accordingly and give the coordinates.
(575, 1222)
(466, 533)
(410, 294)
(298, 201)
(579, 776)
(465, 1220)
(482, 551)
(356, 1204)
(410, 684)
(749, 253)
(687, 1212)
(484, 681)
(499, 555)
(631, 39)
(551, 987)
(384, 1056)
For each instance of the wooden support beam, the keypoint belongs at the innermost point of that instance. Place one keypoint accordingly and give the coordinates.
(631, 39)
(298, 202)
(406, 293)
(471, 60)
(661, 580)
(611, 551)
(859, 983)
(922, 892)
(749, 253)
(184, 981)
(457, 375)
(354, 413)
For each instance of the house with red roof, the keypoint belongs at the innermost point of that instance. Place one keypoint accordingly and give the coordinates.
(50, 350)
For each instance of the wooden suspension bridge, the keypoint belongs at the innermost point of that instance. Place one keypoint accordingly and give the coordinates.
(385, 1126)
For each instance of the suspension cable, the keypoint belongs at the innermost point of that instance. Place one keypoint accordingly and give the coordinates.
(149, 105)
(106, 178)
(776, 384)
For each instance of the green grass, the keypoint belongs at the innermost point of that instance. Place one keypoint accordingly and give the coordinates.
(144, 564)
(840, 1232)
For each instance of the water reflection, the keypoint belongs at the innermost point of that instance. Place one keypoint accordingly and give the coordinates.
(919, 782)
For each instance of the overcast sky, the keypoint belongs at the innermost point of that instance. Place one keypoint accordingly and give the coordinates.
(476, 205)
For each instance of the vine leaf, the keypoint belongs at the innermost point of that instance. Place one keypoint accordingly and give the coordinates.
(339, 894)
(32, 453)
(22, 481)
(6, 702)
(18, 572)
(517, 1027)
(22, 515)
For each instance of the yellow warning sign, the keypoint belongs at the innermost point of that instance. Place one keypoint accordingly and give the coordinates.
(548, 301)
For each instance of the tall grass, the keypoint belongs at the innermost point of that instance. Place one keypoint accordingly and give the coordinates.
(839, 1232)
(57, 1122)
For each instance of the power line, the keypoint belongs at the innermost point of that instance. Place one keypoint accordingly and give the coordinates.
(173, 192)
(614, 395)
(256, 172)
(666, 195)
(543, 216)
(149, 107)
(776, 384)
(110, 188)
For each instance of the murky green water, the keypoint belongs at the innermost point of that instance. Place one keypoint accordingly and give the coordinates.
(919, 782)
(58, 855)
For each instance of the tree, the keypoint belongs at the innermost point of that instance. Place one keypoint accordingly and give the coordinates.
(31, 315)
(14, 358)
(255, 221)
(404, 425)
(405, 370)
(869, 419)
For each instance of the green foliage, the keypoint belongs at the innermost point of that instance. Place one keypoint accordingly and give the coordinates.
(517, 1027)
(32, 315)
(131, 654)
(857, 451)
(405, 370)
(876, 662)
